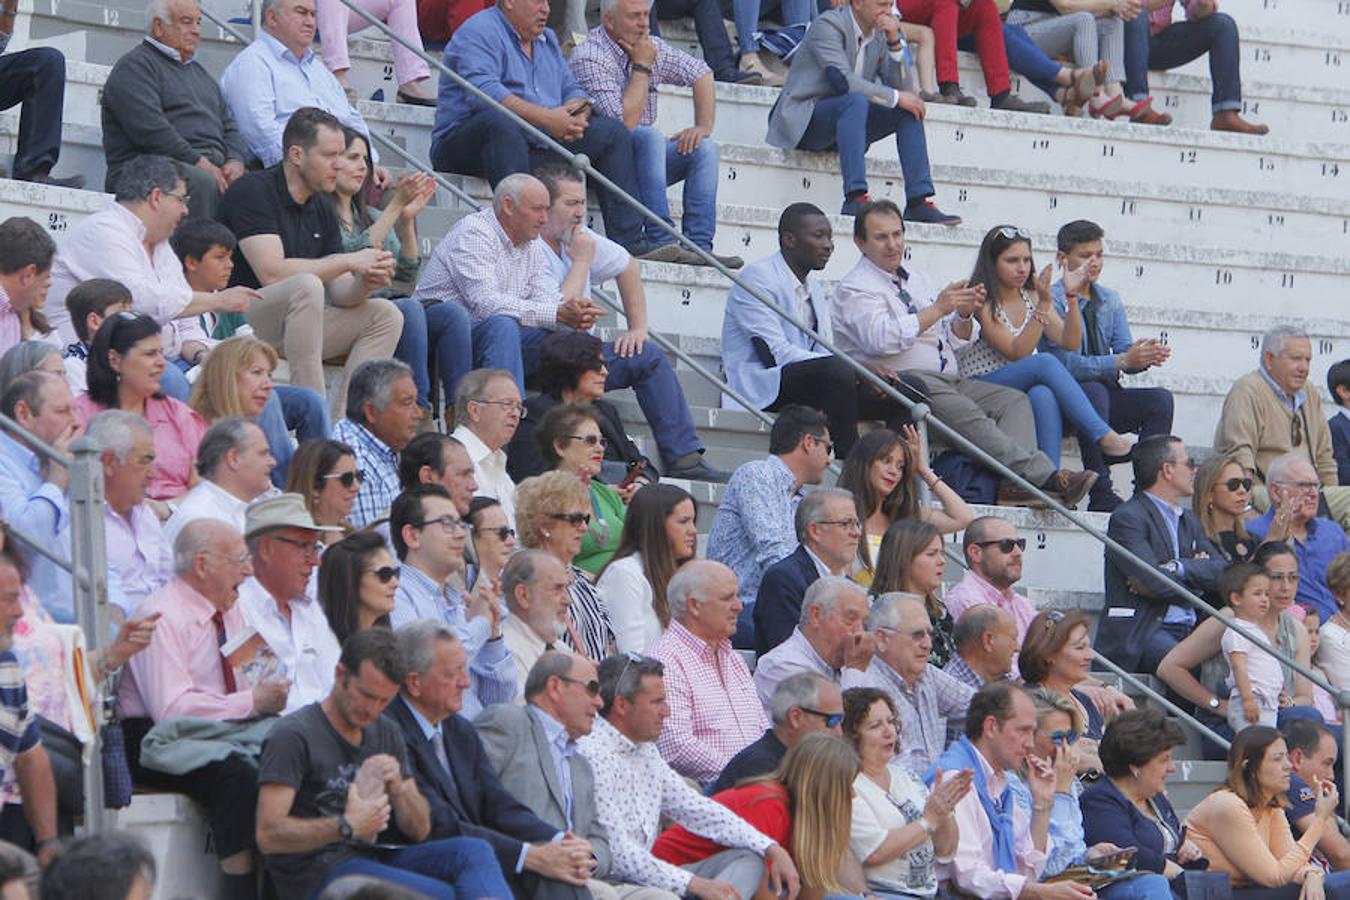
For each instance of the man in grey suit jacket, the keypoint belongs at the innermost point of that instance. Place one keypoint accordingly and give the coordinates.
(533, 749)
(773, 363)
(849, 85)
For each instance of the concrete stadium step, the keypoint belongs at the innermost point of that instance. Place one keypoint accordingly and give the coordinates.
(175, 831)
(1331, 18)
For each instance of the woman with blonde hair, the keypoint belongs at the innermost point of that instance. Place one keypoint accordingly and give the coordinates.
(1223, 490)
(553, 513)
(804, 805)
(236, 380)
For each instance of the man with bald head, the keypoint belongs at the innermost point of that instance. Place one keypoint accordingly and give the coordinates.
(533, 750)
(534, 584)
(986, 646)
(714, 713)
(183, 674)
(509, 52)
(993, 552)
(927, 699)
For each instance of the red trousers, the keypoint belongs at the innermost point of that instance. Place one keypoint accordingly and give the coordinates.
(438, 19)
(950, 22)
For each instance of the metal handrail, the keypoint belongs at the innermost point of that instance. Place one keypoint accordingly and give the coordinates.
(919, 411)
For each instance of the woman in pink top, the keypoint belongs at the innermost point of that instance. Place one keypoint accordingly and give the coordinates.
(126, 362)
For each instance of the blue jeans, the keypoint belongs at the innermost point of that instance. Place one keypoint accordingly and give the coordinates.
(444, 326)
(708, 25)
(1025, 57)
(453, 867)
(292, 408)
(747, 13)
(1055, 396)
(1178, 44)
(851, 124)
(500, 342)
(659, 165)
(1336, 885)
(1141, 887)
(1141, 411)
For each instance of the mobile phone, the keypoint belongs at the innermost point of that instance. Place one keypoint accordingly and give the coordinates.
(1113, 862)
(635, 471)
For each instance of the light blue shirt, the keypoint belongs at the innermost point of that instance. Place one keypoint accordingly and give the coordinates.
(492, 671)
(561, 747)
(1299, 396)
(265, 83)
(41, 511)
(1176, 614)
(753, 528)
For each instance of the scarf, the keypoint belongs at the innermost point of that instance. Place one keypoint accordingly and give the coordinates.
(963, 755)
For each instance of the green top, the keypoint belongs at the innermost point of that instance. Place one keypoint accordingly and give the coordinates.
(405, 268)
(606, 502)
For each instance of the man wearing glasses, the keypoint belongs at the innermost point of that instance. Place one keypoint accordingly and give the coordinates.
(1145, 617)
(1292, 517)
(993, 553)
(487, 413)
(1271, 412)
(429, 537)
(805, 703)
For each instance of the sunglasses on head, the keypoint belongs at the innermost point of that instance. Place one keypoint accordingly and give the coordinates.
(346, 479)
(1005, 545)
(386, 574)
(1010, 232)
(1234, 483)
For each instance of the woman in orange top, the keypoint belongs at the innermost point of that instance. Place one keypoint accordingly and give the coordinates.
(1241, 828)
(806, 806)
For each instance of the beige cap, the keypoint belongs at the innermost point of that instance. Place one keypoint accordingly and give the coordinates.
(280, 511)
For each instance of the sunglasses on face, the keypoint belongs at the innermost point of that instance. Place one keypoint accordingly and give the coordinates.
(1234, 483)
(346, 479)
(1060, 738)
(502, 532)
(574, 519)
(386, 574)
(1004, 545)
(592, 687)
(590, 440)
(1295, 431)
(832, 720)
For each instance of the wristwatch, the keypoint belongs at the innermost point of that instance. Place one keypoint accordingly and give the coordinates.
(344, 828)
(927, 826)
(1214, 703)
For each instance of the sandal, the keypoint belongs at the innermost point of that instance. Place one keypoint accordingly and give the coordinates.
(1110, 109)
(1143, 113)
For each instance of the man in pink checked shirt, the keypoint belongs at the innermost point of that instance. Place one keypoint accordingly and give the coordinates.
(183, 674)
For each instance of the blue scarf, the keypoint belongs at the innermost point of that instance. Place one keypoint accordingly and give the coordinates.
(963, 755)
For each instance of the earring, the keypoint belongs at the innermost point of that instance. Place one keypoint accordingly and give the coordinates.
(547, 535)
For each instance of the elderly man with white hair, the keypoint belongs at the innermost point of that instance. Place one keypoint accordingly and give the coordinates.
(534, 584)
(183, 674)
(1292, 518)
(714, 713)
(830, 640)
(1271, 411)
(138, 550)
(160, 99)
(931, 703)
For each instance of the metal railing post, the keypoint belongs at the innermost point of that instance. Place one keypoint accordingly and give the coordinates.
(90, 584)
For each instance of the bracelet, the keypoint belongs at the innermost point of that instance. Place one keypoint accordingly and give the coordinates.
(1040, 807)
(639, 67)
(937, 479)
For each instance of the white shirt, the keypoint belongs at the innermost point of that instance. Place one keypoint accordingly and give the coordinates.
(489, 470)
(609, 262)
(873, 325)
(137, 551)
(972, 868)
(1333, 653)
(876, 813)
(305, 643)
(627, 595)
(207, 500)
(1264, 671)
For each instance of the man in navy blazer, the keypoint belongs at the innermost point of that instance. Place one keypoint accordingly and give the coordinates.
(1338, 383)
(455, 775)
(773, 363)
(828, 530)
(1144, 617)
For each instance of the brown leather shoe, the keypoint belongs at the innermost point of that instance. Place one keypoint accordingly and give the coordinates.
(1071, 487)
(1229, 120)
(1010, 494)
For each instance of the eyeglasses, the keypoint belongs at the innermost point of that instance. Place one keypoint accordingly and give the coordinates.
(1302, 487)
(310, 548)
(1005, 545)
(828, 445)
(509, 405)
(346, 479)
(592, 687)
(1064, 737)
(1296, 430)
(239, 560)
(590, 440)
(846, 524)
(1010, 232)
(502, 532)
(1234, 483)
(574, 519)
(183, 198)
(832, 720)
(386, 574)
(1291, 577)
(1187, 462)
(449, 524)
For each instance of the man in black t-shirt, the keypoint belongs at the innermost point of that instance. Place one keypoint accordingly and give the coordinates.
(333, 773)
(290, 247)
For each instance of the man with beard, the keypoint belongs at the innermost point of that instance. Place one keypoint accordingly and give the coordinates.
(534, 583)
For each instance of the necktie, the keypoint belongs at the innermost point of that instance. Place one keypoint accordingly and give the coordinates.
(1092, 335)
(438, 750)
(226, 669)
(913, 310)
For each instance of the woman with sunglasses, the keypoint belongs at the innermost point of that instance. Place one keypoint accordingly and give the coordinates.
(553, 513)
(910, 560)
(1202, 650)
(569, 440)
(803, 805)
(899, 826)
(494, 539)
(1223, 491)
(1017, 313)
(1056, 655)
(324, 472)
(357, 581)
(660, 534)
(126, 363)
(1129, 807)
(883, 471)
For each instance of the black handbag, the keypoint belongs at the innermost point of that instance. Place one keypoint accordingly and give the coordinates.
(113, 752)
(1197, 885)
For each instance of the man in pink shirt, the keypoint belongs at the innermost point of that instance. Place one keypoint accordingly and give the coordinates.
(26, 253)
(993, 553)
(183, 674)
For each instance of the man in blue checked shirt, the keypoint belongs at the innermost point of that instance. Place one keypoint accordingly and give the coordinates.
(382, 417)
